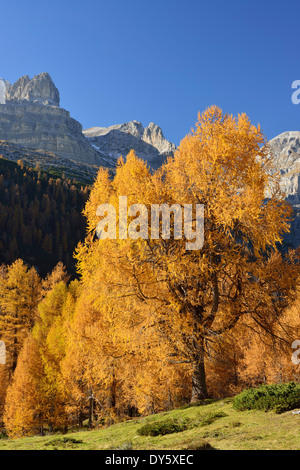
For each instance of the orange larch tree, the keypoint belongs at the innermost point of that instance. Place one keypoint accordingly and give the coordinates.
(20, 292)
(185, 297)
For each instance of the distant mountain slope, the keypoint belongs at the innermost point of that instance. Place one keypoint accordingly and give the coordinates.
(41, 217)
(57, 166)
(286, 153)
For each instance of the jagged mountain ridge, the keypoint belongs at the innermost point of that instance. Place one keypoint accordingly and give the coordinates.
(149, 143)
(30, 115)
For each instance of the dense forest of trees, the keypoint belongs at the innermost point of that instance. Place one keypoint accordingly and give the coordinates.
(41, 218)
(147, 325)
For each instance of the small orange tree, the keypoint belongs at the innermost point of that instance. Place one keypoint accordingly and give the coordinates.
(188, 298)
(36, 396)
(20, 292)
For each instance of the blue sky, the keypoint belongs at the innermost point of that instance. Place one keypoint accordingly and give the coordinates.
(160, 61)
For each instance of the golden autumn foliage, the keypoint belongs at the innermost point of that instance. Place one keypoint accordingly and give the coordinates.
(28, 309)
(183, 300)
(24, 401)
(150, 324)
(269, 360)
(19, 297)
(37, 397)
(20, 293)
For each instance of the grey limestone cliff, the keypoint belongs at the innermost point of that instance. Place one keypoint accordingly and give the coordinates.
(30, 116)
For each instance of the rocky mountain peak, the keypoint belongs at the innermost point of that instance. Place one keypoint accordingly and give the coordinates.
(285, 149)
(134, 128)
(114, 141)
(39, 89)
(153, 135)
(286, 153)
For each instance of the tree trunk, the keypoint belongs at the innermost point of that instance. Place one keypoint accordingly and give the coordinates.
(91, 408)
(199, 390)
(80, 418)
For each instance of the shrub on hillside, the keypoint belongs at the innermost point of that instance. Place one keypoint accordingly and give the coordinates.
(160, 428)
(277, 397)
(211, 418)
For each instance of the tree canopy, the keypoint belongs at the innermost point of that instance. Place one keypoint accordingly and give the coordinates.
(188, 298)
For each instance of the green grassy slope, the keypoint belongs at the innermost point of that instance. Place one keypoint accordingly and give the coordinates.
(231, 430)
